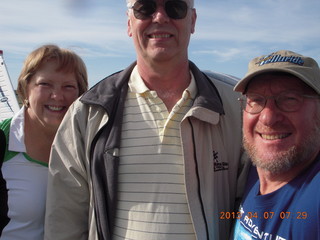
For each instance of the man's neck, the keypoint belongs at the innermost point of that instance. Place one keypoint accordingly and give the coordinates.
(168, 80)
(270, 182)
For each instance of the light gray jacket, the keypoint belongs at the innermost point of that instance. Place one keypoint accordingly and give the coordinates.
(78, 208)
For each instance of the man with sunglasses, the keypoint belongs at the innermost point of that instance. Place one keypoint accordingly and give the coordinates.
(151, 152)
(281, 131)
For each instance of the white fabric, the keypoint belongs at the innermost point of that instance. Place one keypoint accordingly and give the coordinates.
(16, 134)
(27, 184)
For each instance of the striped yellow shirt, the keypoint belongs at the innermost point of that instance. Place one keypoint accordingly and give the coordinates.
(152, 202)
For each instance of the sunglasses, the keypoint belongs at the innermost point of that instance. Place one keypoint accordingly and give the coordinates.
(144, 9)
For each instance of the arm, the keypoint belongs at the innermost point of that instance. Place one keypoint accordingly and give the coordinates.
(68, 195)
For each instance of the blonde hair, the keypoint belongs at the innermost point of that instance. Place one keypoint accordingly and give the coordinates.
(67, 61)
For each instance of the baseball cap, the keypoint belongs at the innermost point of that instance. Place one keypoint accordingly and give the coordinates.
(305, 68)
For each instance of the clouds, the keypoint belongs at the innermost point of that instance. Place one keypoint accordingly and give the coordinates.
(95, 29)
(38, 21)
(262, 21)
(240, 30)
(228, 33)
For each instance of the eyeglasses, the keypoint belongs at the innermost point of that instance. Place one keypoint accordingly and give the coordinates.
(286, 101)
(144, 9)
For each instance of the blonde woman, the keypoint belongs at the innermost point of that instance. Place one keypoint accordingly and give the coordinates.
(50, 80)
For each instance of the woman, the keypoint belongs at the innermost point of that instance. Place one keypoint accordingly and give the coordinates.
(50, 80)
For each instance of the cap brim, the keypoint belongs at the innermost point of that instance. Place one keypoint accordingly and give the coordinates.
(241, 86)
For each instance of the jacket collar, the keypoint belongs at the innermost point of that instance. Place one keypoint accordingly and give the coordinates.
(108, 90)
(208, 96)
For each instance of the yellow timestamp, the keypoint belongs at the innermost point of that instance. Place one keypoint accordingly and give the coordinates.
(264, 215)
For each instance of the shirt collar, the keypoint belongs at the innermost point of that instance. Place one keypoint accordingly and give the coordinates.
(16, 134)
(137, 85)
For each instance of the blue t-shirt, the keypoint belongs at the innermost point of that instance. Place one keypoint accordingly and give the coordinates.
(292, 212)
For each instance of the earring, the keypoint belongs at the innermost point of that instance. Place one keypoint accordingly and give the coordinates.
(26, 103)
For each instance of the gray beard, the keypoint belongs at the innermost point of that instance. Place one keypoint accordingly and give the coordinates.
(285, 160)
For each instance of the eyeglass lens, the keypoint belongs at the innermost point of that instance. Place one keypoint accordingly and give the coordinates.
(175, 9)
(287, 102)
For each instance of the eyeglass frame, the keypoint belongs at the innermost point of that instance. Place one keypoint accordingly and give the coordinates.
(243, 101)
(163, 5)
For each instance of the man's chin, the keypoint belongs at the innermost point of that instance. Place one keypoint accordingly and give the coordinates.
(276, 163)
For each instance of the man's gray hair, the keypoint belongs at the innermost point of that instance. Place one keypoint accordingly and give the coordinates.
(129, 3)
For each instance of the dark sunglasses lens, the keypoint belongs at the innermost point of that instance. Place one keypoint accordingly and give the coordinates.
(176, 9)
(143, 9)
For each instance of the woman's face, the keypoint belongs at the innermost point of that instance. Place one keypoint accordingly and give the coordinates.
(50, 93)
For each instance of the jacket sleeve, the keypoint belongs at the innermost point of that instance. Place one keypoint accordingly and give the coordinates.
(68, 195)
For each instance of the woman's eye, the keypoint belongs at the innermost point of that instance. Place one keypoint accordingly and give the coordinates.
(43, 84)
(70, 86)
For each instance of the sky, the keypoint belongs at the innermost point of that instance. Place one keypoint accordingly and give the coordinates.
(229, 33)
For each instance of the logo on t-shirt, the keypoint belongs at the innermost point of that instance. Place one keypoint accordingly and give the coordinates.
(247, 227)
